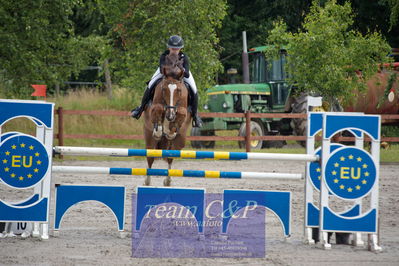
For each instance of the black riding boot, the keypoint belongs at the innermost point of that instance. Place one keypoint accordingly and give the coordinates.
(136, 112)
(197, 122)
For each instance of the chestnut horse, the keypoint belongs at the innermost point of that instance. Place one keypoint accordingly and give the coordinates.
(166, 120)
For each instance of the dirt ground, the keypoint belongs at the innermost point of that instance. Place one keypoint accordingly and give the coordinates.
(89, 234)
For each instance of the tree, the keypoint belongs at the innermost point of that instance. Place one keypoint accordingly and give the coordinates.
(325, 56)
(255, 17)
(394, 15)
(141, 29)
(381, 16)
(38, 44)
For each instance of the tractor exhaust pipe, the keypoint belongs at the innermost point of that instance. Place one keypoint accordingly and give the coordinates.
(245, 62)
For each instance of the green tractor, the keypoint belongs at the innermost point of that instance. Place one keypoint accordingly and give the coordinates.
(268, 92)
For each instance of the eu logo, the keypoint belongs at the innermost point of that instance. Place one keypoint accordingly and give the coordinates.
(350, 173)
(23, 161)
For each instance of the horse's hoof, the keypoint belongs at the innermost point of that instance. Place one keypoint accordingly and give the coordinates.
(171, 137)
(157, 135)
(147, 181)
(157, 132)
(156, 138)
(167, 182)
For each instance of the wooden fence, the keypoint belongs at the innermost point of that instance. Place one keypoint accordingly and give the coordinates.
(60, 112)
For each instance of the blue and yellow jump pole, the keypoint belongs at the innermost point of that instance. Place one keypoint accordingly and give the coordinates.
(183, 154)
(170, 172)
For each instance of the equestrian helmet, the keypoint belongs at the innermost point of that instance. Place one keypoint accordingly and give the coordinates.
(175, 41)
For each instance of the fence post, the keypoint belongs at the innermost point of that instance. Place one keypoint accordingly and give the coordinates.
(60, 128)
(248, 131)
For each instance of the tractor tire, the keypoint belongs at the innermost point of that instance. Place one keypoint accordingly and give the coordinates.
(277, 144)
(195, 131)
(299, 124)
(256, 130)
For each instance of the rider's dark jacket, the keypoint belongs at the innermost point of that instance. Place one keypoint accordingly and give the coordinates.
(186, 63)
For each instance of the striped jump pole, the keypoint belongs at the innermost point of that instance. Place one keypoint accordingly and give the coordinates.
(183, 154)
(170, 172)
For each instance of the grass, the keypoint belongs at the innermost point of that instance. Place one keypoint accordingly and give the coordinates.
(125, 100)
(92, 99)
(391, 154)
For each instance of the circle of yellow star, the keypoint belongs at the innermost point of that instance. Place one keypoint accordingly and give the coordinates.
(5, 161)
(21, 178)
(36, 170)
(364, 182)
(37, 154)
(39, 162)
(365, 165)
(6, 169)
(336, 164)
(31, 147)
(336, 180)
(7, 153)
(350, 189)
(341, 186)
(29, 175)
(342, 158)
(13, 147)
(318, 170)
(366, 174)
(359, 159)
(334, 172)
(350, 157)
(358, 187)
(22, 145)
(12, 175)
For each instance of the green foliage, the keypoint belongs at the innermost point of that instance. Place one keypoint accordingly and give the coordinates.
(255, 17)
(390, 131)
(376, 16)
(394, 15)
(324, 56)
(142, 28)
(38, 45)
(47, 41)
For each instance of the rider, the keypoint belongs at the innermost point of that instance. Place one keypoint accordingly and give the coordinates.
(175, 44)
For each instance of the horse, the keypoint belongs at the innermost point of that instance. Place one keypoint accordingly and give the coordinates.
(166, 119)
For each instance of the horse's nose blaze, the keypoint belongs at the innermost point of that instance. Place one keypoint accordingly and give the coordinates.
(171, 112)
(172, 87)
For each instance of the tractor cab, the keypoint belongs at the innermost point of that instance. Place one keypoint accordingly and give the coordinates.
(271, 72)
(267, 92)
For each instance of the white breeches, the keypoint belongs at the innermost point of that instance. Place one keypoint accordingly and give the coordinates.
(158, 75)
